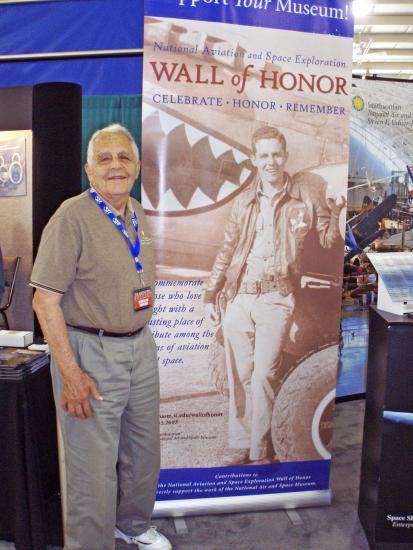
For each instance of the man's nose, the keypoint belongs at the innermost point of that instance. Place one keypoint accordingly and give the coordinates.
(115, 163)
(276, 160)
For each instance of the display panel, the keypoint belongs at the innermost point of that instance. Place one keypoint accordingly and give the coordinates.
(213, 76)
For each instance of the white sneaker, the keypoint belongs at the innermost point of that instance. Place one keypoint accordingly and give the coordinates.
(150, 540)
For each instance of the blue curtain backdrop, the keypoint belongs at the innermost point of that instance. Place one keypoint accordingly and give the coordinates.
(99, 76)
(73, 26)
(110, 85)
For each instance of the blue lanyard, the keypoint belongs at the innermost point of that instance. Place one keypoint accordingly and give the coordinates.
(134, 248)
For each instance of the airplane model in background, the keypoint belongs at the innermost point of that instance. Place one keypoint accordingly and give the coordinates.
(363, 229)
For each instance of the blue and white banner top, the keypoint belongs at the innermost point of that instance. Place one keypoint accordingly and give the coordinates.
(332, 17)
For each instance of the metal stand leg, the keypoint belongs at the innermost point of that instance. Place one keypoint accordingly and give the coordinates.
(294, 517)
(180, 526)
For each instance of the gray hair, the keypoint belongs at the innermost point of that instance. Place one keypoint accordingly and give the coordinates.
(112, 128)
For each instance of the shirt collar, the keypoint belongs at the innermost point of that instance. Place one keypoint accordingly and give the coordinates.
(252, 194)
(118, 214)
(276, 193)
(254, 191)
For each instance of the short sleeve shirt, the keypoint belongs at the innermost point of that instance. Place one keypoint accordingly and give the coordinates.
(84, 257)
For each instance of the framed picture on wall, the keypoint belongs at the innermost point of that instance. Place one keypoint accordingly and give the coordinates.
(12, 167)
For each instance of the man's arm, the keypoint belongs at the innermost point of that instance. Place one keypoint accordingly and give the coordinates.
(328, 221)
(326, 212)
(77, 385)
(222, 261)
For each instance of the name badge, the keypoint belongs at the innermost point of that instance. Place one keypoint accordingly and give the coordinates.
(142, 298)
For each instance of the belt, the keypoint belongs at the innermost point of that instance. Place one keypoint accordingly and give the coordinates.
(102, 332)
(283, 286)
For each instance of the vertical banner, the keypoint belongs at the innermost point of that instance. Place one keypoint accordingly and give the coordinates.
(245, 114)
(381, 152)
(380, 144)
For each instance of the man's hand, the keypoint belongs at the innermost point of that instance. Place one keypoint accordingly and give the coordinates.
(77, 388)
(212, 315)
(337, 205)
(77, 385)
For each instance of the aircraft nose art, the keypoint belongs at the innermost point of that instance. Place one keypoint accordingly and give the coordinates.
(188, 168)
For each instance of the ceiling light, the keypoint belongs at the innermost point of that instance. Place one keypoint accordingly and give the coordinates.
(361, 7)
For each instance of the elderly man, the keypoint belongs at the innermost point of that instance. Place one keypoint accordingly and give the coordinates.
(94, 276)
(254, 274)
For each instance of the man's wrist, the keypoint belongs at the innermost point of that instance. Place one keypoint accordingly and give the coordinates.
(209, 298)
(69, 370)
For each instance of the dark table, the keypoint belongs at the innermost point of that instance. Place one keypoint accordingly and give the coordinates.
(386, 486)
(29, 469)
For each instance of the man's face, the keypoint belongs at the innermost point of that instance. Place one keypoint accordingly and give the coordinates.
(270, 158)
(114, 167)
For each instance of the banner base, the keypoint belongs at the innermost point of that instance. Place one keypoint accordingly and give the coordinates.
(227, 505)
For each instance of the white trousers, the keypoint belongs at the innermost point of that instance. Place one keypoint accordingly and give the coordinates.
(255, 329)
(112, 459)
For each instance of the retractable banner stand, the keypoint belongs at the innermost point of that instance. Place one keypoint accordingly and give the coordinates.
(380, 144)
(381, 151)
(247, 349)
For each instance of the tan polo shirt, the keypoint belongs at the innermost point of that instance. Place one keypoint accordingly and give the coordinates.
(84, 257)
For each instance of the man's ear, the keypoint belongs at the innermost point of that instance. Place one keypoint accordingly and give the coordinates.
(253, 160)
(138, 169)
(87, 169)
